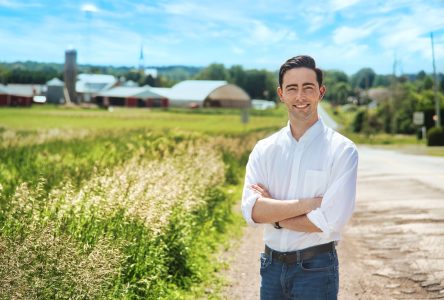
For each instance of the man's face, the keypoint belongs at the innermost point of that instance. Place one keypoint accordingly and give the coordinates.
(301, 94)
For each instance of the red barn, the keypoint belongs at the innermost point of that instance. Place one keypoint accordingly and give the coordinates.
(19, 94)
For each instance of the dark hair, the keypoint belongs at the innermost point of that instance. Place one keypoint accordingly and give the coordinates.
(300, 61)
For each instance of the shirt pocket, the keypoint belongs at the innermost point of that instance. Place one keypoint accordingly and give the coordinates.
(315, 183)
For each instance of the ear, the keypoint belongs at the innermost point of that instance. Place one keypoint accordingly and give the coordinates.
(279, 92)
(322, 90)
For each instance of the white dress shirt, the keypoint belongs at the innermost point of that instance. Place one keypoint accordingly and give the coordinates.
(323, 163)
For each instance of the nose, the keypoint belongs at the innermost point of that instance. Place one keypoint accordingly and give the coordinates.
(300, 94)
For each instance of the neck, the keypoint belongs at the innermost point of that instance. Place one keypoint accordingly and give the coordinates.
(299, 127)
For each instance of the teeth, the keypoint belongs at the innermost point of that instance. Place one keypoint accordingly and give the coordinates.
(301, 106)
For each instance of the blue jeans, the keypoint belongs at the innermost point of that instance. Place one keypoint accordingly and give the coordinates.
(316, 278)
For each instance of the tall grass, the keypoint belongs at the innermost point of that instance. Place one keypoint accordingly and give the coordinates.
(123, 214)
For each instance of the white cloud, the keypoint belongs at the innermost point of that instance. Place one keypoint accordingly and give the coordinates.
(337, 5)
(260, 34)
(407, 36)
(89, 7)
(347, 34)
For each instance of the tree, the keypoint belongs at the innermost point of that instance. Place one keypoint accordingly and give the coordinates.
(338, 87)
(363, 79)
(213, 72)
(421, 75)
(382, 80)
(237, 75)
(148, 80)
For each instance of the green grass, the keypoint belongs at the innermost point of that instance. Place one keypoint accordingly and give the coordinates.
(382, 139)
(228, 121)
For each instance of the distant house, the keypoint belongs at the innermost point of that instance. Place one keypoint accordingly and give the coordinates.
(207, 93)
(20, 94)
(131, 97)
(89, 85)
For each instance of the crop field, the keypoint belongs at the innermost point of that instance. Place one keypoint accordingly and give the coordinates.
(127, 204)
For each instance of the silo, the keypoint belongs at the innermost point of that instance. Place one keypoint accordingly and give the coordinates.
(54, 92)
(70, 75)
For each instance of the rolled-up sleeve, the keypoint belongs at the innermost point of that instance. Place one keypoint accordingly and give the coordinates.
(254, 174)
(338, 202)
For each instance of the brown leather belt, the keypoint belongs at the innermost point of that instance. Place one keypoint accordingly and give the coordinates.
(300, 255)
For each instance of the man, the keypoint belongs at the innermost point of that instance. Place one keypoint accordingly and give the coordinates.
(301, 184)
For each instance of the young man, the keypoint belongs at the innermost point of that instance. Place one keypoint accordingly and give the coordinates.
(301, 184)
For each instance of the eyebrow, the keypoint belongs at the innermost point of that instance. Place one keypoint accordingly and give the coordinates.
(296, 85)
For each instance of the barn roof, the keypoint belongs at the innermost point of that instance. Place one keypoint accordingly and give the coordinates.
(25, 90)
(165, 92)
(127, 91)
(94, 83)
(2, 89)
(195, 90)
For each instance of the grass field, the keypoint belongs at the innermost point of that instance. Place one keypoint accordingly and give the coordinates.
(211, 121)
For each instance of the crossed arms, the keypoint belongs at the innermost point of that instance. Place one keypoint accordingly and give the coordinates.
(290, 214)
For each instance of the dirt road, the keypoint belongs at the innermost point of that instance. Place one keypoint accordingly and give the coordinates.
(393, 248)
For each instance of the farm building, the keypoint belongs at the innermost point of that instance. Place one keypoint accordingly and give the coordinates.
(54, 93)
(131, 97)
(3, 96)
(207, 93)
(19, 94)
(89, 85)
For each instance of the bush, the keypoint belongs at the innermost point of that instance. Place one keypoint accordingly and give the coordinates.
(358, 121)
(435, 136)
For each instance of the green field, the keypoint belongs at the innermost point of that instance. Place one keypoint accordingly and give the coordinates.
(208, 121)
(128, 204)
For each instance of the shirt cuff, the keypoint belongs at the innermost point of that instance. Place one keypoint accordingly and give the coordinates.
(318, 219)
(247, 208)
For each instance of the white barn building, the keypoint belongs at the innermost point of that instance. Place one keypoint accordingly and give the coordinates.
(206, 93)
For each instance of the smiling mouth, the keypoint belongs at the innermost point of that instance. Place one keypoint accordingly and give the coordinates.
(301, 106)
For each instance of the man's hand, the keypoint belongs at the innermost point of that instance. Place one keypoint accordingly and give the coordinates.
(261, 190)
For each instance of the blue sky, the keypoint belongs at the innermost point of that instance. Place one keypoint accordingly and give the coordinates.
(340, 34)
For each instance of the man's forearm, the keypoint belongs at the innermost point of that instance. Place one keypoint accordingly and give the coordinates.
(267, 210)
(299, 223)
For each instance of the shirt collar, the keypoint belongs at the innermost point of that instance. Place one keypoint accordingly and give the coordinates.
(308, 135)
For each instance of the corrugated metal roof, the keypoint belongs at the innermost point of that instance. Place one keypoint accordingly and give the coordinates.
(94, 83)
(2, 89)
(165, 92)
(26, 90)
(127, 91)
(96, 78)
(194, 90)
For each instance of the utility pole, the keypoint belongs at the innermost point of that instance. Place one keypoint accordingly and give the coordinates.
(435, 87)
